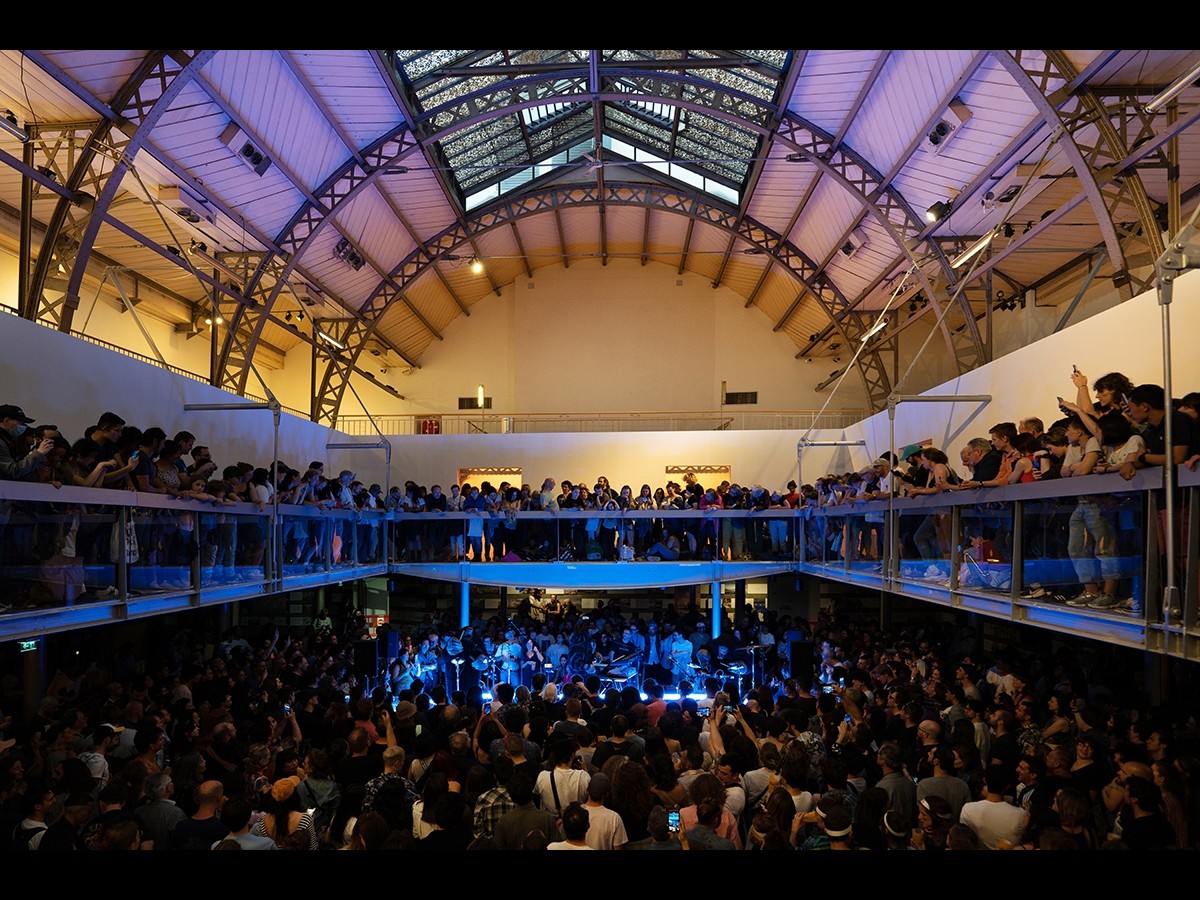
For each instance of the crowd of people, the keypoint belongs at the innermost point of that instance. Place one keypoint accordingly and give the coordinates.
(1121, 431)
(915, 739)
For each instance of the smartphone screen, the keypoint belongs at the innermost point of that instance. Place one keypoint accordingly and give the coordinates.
(673, 821)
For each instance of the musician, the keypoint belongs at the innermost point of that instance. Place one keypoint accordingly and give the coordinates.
(677, 656)
(605, 649)
(452, 649)
(401, 673)
(557, 654)
(654, 659)
(627, 648)
(428, 654)
(531, 661)
(509, 654)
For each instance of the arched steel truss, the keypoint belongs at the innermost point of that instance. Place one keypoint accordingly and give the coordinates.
(98, 167)
(97, 171)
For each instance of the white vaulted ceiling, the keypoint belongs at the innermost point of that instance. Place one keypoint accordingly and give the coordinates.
(797, 178)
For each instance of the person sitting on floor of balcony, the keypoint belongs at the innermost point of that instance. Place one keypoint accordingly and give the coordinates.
(666, 548)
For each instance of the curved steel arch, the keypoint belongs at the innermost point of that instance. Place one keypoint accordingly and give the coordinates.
(135, 109)
(1046, 82)
(333, 382)
(235, 356)
(853, 173)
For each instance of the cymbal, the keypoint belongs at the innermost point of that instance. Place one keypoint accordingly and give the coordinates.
(755, 647)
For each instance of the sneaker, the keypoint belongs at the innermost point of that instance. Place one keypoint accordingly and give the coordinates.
(1083, 599)
(1126, 605)
(1104, 601)
(1034, 592)
(933, 572)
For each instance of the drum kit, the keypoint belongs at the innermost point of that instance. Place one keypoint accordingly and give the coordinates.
(739, 669)
(494, 669)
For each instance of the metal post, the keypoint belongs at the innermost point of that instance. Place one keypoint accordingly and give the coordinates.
(715, 627)
(464, 604)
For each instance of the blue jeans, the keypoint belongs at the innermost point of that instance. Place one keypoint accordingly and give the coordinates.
(1087, 521)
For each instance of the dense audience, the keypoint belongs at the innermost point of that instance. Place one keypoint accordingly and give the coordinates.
(915, 739)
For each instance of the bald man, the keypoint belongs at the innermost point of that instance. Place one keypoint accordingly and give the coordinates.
(205, 828)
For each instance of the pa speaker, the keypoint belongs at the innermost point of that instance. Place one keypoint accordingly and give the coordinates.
(800, 656)
(393, 643)
(366, 659)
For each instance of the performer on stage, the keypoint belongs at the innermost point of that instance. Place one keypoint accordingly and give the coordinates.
(401, 672)
(677, 656)
(509, 655)
(557, 654)
(427, 661)
(531, 661)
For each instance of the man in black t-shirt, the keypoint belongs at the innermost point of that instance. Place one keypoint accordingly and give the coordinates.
(1147, 410)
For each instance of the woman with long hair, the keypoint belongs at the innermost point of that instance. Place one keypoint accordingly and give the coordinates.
(436, 786)
(1060, 728)
(369, 833)
(707, 786)
(868, 819)
(1077, 818)
(284, 819)
(934, 820)
(631, 796)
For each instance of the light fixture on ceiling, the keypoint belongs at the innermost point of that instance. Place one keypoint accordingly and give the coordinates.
(974, 250)
(875, 329)
(199, 250)
(287, 317)
(796, 157)
(1008, 229)
(210, 321)
(1177, 87)
(479, 398)
(330, 340)
(348, 253)
(476, 265)
(8, 122)
(938, 211)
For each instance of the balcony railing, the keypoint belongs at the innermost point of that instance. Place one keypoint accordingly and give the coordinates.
(1026, 552)
(489, 422)
(74, 557)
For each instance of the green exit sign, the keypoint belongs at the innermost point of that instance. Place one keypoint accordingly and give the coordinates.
(27, 646)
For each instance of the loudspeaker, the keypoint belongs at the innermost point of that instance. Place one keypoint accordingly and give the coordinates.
(800, 654)
(366, 659)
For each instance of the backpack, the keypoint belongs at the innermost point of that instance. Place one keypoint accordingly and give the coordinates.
(22, 836)
(324, 803)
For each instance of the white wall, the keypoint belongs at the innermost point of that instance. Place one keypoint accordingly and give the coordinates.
(60, 379)
(1125, 338)
(612, 338)
(620, 337)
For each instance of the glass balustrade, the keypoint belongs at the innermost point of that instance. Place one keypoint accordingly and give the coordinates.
(1037, 547)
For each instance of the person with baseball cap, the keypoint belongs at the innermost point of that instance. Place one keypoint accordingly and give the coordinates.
(17, 461)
